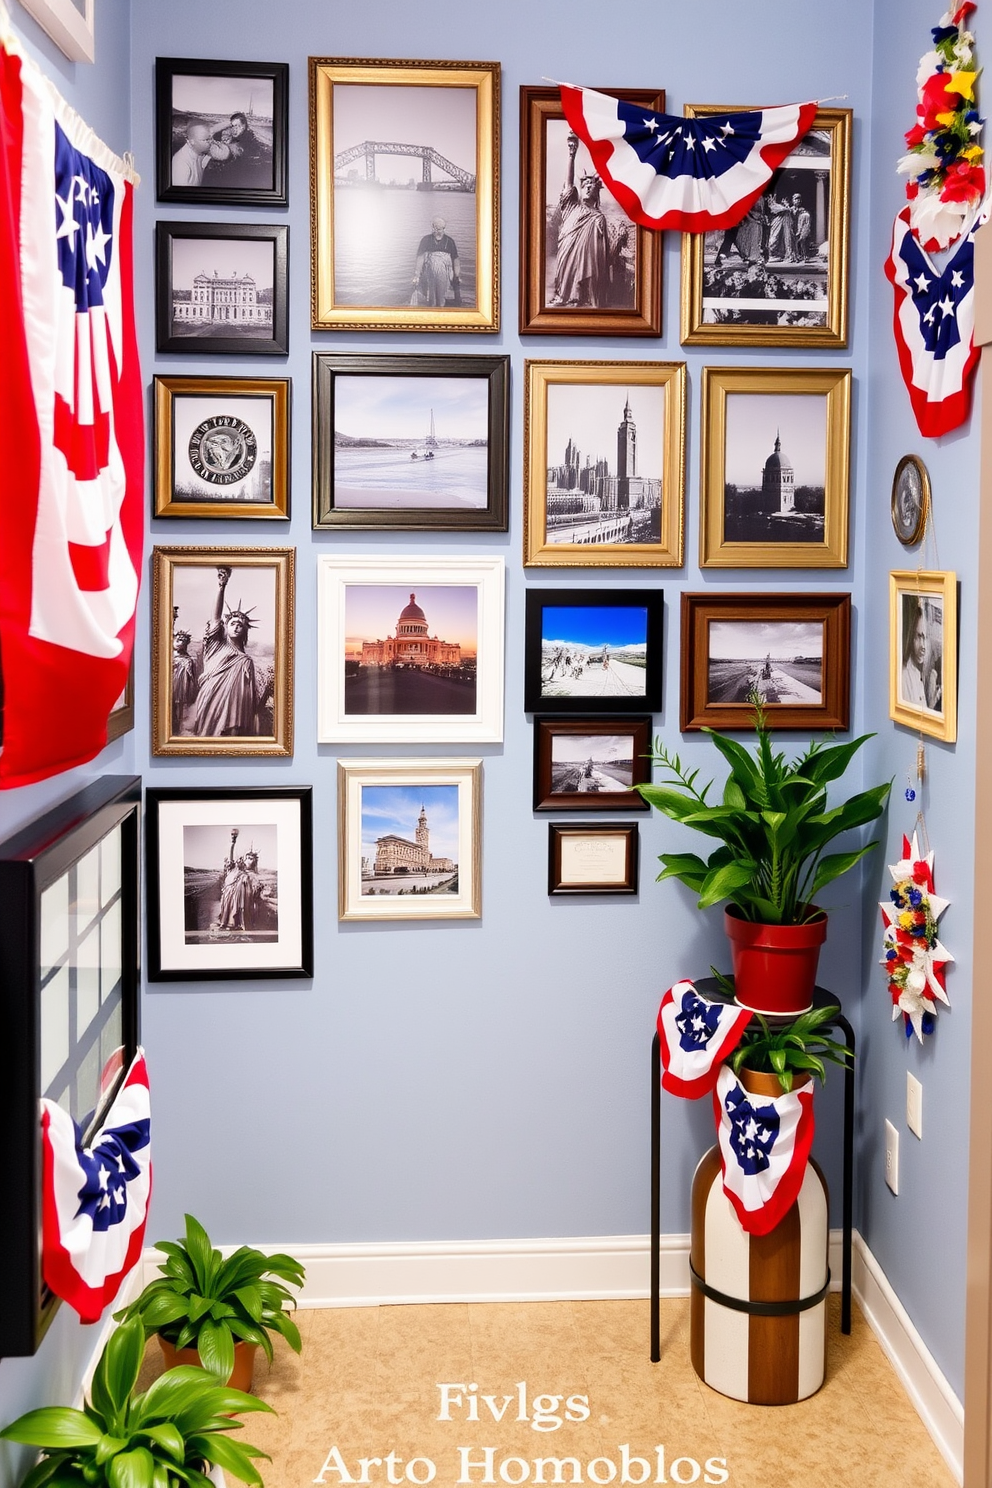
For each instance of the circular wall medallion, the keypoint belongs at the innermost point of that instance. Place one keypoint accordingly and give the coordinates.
(910, 499)
(222, 450)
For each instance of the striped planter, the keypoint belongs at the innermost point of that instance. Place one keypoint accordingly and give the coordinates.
(773, 1357)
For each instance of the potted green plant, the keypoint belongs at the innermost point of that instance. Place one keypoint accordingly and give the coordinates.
(222, 1309)
(164, 1438)
(787, 1052)
(773, 824)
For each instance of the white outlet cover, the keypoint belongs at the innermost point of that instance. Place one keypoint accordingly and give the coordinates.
(892, 1157)
(914, 1105)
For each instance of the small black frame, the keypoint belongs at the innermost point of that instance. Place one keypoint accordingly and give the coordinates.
(32, 861)
(167, 235)
(213, 191)
(567, 616)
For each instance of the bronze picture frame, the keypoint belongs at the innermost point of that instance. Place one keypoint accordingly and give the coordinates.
(806, 685)
(205, 701)
(632, 273)
(591, 764)
(451, 287)
(813, 259)
(222, 447)
(592, 858)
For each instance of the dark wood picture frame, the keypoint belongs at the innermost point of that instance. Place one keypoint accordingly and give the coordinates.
(35, 860)
(172, 885)
(599, 797)
(567, 699)
(832, 612)
(328, 367)
(537, 318)
(276, 344)
(215, 191)
(277, 392)
(569, 878)
(121, 720)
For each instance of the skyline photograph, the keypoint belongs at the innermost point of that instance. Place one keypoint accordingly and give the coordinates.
(591, 414)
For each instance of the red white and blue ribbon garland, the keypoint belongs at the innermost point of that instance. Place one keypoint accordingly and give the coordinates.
(95, 1198)
(914, 957)
(764, 1144)
(696, 1037)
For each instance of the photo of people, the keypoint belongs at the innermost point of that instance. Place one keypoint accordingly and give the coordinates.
(230, 883)
(221, 132)
(223, 661)
(921, 672)
(590, 242)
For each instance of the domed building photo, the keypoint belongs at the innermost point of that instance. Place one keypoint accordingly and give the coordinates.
(775, 468)
(410, 651)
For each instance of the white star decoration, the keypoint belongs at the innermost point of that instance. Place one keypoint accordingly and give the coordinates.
(914, 977)
(922, 282)
(96, 246)
(650, 124)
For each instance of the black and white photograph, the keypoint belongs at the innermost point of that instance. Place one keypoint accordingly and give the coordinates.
(590, 244)
(923, 651)
(221, 129)
(778, 661)
(778, 275)
(222, 661)
(409, 223)
(921, 675)
(230, 883)
(592, 650)
(910, 500)
(591, 764)
(221, 447)
(222, 288)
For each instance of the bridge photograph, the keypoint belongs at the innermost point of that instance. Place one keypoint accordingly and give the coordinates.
(405, 164)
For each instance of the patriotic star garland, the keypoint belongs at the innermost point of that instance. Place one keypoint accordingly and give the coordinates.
(947, 179)
(914, 957)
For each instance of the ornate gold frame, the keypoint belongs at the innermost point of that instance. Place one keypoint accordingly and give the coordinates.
(277, 390)
(942, 723)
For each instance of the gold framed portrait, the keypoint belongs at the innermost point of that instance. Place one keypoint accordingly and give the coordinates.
(923, 651)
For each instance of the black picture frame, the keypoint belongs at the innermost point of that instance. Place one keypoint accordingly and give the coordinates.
(180, 822)
(54, 855)
(245, 169)
(329, 368)
(574, 695)
(168, 235)
(573, 786)
(568, 875)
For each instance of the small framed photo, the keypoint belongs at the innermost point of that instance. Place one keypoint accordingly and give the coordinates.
(910, 500)
(775, 467)
(222, 447)
(790, 652)
(409, 650)
(222, 288)
(404, 192)
(923, 652)
(409, 839)
(779, 278)
(593, 651)
(230, 883)
(591, 764)
(585, 268)
(594, 858)
(604, 460)
(222, 651)
(221, 131)
(410, 443)
(121, 720)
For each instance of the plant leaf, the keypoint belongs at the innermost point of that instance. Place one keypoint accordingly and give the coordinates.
(134, 1469)
(216, 1348)
(53, 1426)
(721, 883)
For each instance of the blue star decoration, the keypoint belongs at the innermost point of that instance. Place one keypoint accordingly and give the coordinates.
(84, 219)
(674, 146)
(109, 1168)
(753, 1131)
(697, 1022)
(937, 296)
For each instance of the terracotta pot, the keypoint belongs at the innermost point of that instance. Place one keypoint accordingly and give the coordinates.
(774, 965)
(244, 1360)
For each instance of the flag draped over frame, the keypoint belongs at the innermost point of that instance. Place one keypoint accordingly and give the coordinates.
(95, 1198)
(765, 1143)
(696, 1036)
(71, 428)
(934, 323)
(692, 175)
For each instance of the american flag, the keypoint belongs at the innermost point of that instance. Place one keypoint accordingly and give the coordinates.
(71, 426)
(934, 325)
(764, 1144)
(692, 175)
(695, 1036)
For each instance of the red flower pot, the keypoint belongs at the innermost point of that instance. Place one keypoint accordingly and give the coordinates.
(774, 965)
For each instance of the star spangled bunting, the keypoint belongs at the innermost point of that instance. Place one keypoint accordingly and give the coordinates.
(95, 1198)
(695, 1036)
(692, 175)
(934, 324)
(764, 1144)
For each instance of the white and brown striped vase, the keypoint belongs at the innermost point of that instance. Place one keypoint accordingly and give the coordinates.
(757, 1327)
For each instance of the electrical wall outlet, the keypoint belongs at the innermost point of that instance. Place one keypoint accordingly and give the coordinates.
(914, 1105)
(892, 1157)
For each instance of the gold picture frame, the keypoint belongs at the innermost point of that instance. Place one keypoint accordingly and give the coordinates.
(769, 516)
(625, 507)
(430, 866)
(923, 651)
(352, 287)
(190, 692)
(249, 477)
(818, 264)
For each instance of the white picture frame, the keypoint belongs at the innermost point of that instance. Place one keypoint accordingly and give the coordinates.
(371, 670)
(70, 26)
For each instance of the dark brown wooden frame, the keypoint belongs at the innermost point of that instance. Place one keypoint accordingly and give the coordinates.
(537, 106)
(558, 830)
(833, 610)
(276, 390)
(121, 720)
(545, 732)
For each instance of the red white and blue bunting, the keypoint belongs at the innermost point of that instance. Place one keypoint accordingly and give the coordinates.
(765, 1143)
(696, 1037)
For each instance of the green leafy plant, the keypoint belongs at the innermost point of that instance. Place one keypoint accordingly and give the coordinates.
(773, 822)
(205, 1302)
(163, 1438)
(785, 1050)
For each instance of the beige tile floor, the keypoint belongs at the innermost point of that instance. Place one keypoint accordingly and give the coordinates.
(367, 1384)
